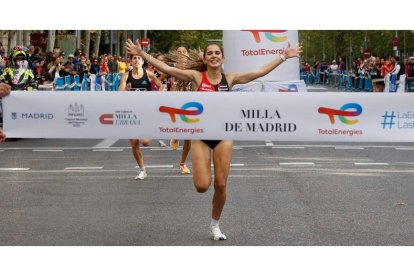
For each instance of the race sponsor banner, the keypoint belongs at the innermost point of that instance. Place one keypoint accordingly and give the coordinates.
(284, 86)
(328, 116)
(248, 50)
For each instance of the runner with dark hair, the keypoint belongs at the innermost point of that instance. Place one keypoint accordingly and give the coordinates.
(210, 78)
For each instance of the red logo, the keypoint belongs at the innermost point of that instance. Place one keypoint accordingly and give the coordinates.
(107, 119)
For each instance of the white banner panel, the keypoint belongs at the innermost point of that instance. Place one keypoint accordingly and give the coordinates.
(252, 86)
(248, 50)
(284, 86)
(347, 117)
(272, 86)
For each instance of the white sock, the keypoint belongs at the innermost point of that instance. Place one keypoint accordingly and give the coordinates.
(214, 223)
(142, 168)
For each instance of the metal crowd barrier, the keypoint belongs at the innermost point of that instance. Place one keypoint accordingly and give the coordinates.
(342, 80)
(98, 82)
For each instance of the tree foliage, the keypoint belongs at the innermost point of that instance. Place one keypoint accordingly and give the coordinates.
(318, 44)
(346, 43)
(166, 40)
(322, 45)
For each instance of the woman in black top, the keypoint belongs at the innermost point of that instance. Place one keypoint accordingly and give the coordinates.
(139, 79)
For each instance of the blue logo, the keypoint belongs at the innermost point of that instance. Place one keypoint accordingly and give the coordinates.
(14, 115)
(398, 119)
(388, 120)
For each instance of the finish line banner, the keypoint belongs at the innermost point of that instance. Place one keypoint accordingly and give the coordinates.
(345, 117)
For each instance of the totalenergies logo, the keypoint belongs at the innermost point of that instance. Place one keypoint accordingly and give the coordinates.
(188, 109)
(269, 34)
(342, 113)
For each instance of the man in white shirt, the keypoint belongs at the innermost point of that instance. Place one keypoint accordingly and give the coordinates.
(334, 71)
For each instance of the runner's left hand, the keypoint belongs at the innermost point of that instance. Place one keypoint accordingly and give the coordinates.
(293, 52)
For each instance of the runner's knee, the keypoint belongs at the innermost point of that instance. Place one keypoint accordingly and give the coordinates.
(145, 143)
(202, 185)
(220, 184)
(202, 189)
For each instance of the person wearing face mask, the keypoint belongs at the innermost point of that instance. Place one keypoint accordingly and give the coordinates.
(18, 75)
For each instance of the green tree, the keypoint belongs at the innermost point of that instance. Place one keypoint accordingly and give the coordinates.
(166, 40)
(333, 44)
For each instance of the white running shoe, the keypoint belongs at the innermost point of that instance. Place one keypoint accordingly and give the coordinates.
(162, 143)
(141, 175)
(216, 234)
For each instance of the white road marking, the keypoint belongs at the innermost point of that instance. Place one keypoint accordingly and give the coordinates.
(98, 150)
(241, 171)
(157, 166)
(232, 165)
(14, 169)
(348, 148)
(47, 150)
(105, 143)
(181, 148)
(287, 147)
(24, 181)
(244, 146)
(297, 163)
(165, 148)
(84, 168)
(371, 164)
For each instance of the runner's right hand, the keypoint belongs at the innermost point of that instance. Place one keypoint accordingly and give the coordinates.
(133, 49)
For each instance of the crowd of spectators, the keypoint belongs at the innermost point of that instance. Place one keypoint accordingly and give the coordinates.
(365, 74)
(49, 66)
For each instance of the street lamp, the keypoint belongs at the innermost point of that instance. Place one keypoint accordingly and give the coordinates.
(19, 37)
(350, 54)
(405, 51)
(395, 43)
(323, 47)
(306, 48)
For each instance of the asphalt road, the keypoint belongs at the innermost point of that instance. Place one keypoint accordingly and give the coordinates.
(83, 192)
